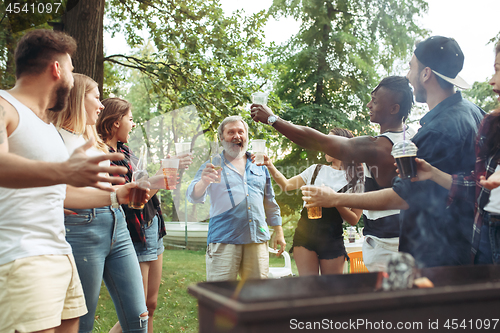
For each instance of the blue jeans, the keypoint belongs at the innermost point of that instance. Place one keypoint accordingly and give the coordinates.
(489, 244)
(154, 245)
(103, 250)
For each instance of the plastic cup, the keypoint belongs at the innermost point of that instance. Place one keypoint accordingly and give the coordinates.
(169, 167)
(314, 213)
(259, 149)
(137, 195)
(404, 153)
(351, 233)
(259, 98)
(182, 148)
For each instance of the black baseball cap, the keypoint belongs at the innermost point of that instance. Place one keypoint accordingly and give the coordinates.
(444, 57)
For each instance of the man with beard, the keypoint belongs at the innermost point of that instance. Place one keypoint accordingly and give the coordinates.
(39, 285)
(390, 104)
(242, 202)
(435, 233)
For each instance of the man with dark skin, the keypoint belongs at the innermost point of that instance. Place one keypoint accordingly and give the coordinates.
(390, 104)
(435, 233)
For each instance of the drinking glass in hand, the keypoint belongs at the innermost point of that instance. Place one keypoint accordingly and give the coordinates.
(314, 213)
(217, 163)
(138, 194)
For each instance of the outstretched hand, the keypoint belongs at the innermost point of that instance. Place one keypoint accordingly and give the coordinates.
(319, 196)
(492, 182)
(82, 170)
(267, 161)
(260, 113)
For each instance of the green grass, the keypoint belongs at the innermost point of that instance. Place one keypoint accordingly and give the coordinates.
(177, 311)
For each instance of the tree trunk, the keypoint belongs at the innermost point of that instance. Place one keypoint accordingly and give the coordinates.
(85, 23)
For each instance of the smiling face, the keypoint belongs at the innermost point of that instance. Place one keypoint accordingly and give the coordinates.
(495, 80)
(235, 139)
(93, 105)
(125, 125)
(414, 77)
(381, 105)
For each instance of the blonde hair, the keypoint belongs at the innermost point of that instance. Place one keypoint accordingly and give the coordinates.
(74, 117)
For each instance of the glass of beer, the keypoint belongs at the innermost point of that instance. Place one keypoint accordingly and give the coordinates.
(137, 194)
(404, 153)
(314, 213)
(169, 167)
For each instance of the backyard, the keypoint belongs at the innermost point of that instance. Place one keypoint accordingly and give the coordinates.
(177, 311)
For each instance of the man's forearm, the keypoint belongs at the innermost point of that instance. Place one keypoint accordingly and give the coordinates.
(384, 199)
(199, 190)
(307, 137)
(20, 172)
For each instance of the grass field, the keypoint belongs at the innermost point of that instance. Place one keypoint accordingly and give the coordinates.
(177, 311)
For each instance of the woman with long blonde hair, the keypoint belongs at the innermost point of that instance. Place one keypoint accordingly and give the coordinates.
(95, 223)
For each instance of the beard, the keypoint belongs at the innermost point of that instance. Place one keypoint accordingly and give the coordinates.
(233, 148)
(62, 96)
(420, 93)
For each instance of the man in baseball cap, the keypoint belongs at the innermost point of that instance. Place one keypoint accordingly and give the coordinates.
(444, 57)
(434, 232)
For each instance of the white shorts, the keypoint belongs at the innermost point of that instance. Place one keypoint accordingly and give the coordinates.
(377, 251)
(225, 261)
(36, 293)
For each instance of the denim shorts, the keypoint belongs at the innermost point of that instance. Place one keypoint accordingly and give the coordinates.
(154, 245)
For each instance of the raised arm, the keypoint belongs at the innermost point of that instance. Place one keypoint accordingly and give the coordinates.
(284, 183)
(79, 170)
(364, 149)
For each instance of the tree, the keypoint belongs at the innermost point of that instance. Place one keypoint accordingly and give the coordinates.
(327, 71)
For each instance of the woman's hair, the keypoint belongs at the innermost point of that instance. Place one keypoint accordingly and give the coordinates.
(492, 122)
(114, 110)
(74, 117)
(353, 171)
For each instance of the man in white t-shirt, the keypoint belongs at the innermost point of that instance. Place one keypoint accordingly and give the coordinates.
(389, 107)
(39, 285)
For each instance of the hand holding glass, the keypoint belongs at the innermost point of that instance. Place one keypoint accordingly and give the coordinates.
(138, 194)
(169, 167)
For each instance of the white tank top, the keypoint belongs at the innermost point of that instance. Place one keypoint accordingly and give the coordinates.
(32, 219)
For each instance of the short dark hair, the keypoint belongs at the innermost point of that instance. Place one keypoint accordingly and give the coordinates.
(114, 110)
(403, 94)
(445, 85)
(38, 48)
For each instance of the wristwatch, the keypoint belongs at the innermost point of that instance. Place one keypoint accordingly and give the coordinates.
(114, 200)
(272, 119)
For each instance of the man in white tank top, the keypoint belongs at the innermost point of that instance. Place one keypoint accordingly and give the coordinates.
(39, 284)
(389, 107)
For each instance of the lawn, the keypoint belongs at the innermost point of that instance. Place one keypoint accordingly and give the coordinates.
(177, 311)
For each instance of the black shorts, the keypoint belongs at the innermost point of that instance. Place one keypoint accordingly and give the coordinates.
(323, 236)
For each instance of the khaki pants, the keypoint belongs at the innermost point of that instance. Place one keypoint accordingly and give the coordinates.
(225, 261)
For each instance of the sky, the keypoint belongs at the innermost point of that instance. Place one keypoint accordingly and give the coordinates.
(471, 23)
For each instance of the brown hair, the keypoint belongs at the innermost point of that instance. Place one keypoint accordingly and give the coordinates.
(497, 48)
(38, 48)
(354, 171)
(74, 117)
(114, 110)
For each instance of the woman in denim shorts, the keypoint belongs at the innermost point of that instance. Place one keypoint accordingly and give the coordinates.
(98, 236)
(146, 226)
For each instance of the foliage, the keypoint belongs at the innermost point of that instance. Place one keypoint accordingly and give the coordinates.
(199, 56)
(482, 95)
(327, 71)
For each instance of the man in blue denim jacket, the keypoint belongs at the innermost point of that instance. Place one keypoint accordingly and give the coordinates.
(242, 206)
(434, 233)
